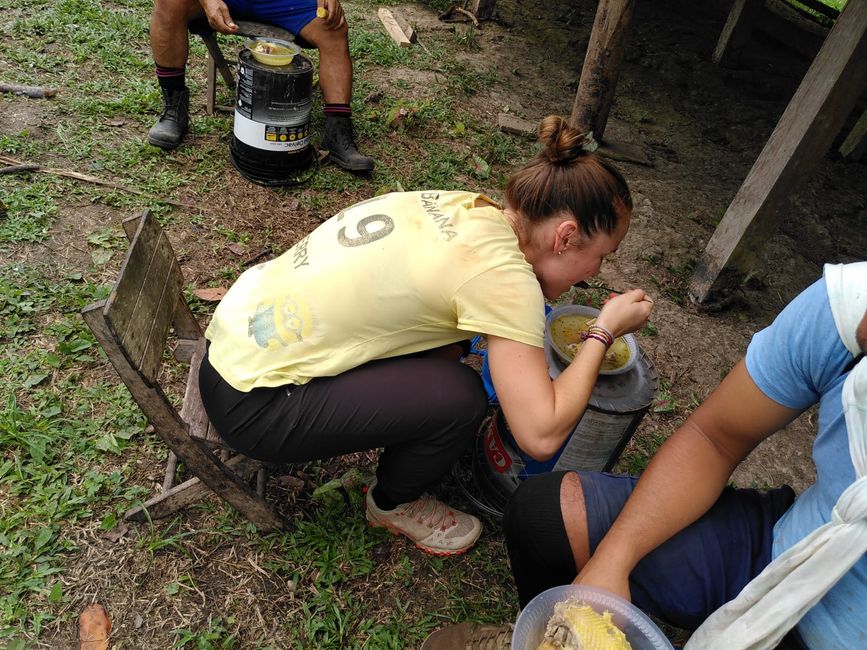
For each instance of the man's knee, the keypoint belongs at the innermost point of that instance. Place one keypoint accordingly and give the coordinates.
(327, 40)
(535, 497)
(175, 12)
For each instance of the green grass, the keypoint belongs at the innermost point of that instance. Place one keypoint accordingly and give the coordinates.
(54, 434)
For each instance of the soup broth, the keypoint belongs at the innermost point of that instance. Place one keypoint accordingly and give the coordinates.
(566, 334)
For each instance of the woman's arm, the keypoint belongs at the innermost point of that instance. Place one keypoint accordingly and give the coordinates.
(686, 476)
(541, 412)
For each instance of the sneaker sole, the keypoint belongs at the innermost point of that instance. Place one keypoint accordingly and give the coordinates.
(427, 549)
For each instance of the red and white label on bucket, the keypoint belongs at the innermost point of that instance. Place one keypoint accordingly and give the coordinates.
(270, 136)
(497, 454)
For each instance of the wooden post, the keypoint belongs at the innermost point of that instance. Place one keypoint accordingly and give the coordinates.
(602, 66)
(737, 30)
(483, 9)
(855, 145)
(824, 99)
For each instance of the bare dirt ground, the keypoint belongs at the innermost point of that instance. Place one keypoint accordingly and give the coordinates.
(701, 126)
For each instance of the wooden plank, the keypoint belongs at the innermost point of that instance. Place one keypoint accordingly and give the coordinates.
(483, 9)
(141, 307)
(187, 493)
(193, 412)
(163, 315)
(789, 28)
(263, 30)
(508, 123)
(185, 323)
(168, 425)
(855, 145)
(737, 31)
(602, 66)
(131, 224)
(814, 116)
(393, 28)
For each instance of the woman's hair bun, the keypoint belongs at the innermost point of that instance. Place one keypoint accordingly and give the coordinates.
(561, 143)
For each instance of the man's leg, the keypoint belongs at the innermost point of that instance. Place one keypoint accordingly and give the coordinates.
(170, 47)
(335, 80)
(565, 516)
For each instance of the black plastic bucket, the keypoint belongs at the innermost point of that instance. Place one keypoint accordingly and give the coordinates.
(271, 137)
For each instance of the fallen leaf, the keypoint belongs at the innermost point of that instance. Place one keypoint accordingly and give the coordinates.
(101, 256)
(93, 628)
(212, 294)
(481, 168)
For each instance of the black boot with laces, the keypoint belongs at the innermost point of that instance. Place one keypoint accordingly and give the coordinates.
(174, 121)
(340, 143)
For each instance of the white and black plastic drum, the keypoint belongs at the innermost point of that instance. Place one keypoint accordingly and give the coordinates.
(271, 137)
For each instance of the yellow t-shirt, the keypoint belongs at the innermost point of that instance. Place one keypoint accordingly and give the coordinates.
(392, 275)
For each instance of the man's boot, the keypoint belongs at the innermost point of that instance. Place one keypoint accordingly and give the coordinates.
(339, 141)
(169, 130)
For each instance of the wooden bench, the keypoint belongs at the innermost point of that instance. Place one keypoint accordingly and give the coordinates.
(133, 325)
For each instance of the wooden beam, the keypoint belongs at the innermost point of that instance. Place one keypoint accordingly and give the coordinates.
(855, 145)
(814, 116)
(602, 66)
(483, 9)
(737, 30)
(394, 29)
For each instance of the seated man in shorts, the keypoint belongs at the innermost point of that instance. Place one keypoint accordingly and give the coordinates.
(170, 45)
(679, 542)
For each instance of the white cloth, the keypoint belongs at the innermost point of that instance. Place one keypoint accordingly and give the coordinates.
(775, 600)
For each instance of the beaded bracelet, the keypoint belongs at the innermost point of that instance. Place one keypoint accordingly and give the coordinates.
(598, 337)
(605, 336)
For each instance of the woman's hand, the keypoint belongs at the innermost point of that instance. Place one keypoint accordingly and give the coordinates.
(625, 313)
(218, 16)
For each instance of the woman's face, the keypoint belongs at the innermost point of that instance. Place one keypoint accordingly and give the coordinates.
(565, 255)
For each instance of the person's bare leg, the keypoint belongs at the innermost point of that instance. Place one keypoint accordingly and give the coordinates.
(170, 47)
(170, 41)
(335, 80)
(575, 518)
(335, 66)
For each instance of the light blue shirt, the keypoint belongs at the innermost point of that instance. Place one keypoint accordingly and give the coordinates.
(797, 361)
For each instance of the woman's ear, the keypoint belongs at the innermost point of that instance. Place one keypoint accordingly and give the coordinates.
(564, 233)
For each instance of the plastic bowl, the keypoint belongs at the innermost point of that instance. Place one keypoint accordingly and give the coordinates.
(559, 346)
(640, 631)
(283, 57)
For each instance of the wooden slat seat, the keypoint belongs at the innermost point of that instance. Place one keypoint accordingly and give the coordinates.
(132, 325)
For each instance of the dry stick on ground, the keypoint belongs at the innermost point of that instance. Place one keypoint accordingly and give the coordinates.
(37, 92)
(14, 169)
(18, 166)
